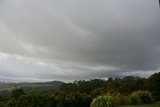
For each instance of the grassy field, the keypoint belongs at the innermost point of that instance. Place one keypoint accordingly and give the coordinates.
(144, 105)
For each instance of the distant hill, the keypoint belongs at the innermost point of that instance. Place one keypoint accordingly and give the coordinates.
(31, 86)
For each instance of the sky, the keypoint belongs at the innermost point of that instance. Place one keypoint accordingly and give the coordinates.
(43, 40)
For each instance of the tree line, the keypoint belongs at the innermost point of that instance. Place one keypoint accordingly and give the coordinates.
(91, 93)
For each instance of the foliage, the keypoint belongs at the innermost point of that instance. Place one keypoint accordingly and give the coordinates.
(154, 85)
(5, 88)
(72, 99)
(17, 93)
(145, 96)
(134, 98)
(33, 100)
(141, 97)
(104, 101)
(81, 93)
(98, 91)
(83, 86)
(1, 98)
(4, 94)
(121, 99)
(11, 102)
(2, 104)
(143, 105)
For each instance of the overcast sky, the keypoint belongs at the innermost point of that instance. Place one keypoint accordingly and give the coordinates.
(78, 39)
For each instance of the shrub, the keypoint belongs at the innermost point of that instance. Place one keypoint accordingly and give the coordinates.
(121, 99)
(33, 100)
(72, 99)
(11, 103)
(1, 99)
(97, 92)
(2, 104)
(145, 96)
(135, 99)
(138, 97)
(17, 93)
(104, 101)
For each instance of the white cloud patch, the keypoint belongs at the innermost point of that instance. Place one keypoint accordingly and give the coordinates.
(16, 67)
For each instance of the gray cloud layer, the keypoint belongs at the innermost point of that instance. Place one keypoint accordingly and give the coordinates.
(78, 39)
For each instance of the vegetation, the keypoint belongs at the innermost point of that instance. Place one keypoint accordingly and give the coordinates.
(29, 87)
(104, 101)
(93, 93)
(143, 105)
(139, 97)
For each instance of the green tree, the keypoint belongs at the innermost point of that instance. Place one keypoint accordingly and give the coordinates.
(34, 100)
(17, 93)
(154, 85)
(11, 102)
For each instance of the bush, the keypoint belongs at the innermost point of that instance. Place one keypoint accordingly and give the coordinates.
(145, 96)
(72, 100)
(2, 104)
(11, 103)
(138, 97)
(17, 93)
(1, 99)
(104, 101)
(33, 100)
(135, 99)
(121, 99)
(97, 92)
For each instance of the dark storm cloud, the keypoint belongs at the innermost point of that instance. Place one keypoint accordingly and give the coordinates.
(79, 39)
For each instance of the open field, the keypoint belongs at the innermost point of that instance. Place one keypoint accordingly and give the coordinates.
(144, 105)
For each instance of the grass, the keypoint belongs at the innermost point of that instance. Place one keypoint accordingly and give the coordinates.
(144, 105)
